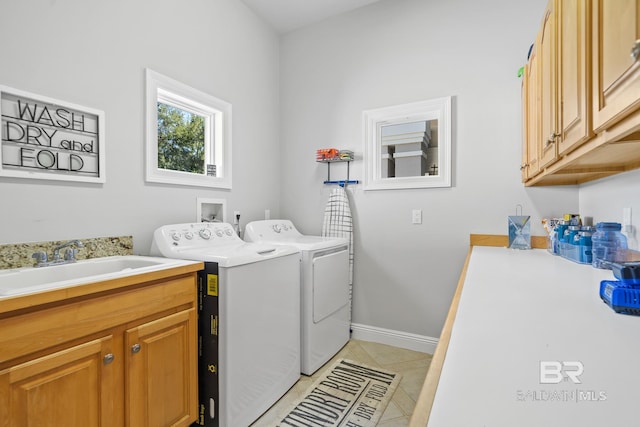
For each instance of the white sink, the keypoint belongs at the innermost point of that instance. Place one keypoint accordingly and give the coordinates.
(36, 279)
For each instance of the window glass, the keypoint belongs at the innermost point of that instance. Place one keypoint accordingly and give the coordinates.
(408, 146)
(188, 135)
(181, 139)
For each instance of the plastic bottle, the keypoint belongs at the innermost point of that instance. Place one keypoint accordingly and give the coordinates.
(552, 241)
(560, 229)
(566, 245)
(608, 244)
(573, 243)
(586, 246)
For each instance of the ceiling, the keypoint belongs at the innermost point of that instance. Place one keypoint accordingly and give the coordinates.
(288, 15)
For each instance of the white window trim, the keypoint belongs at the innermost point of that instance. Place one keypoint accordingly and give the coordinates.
(163, 89)
(373, 120)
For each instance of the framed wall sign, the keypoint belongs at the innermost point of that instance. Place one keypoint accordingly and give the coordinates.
(44, 138)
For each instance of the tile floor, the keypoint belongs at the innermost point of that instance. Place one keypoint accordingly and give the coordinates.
(412, 365)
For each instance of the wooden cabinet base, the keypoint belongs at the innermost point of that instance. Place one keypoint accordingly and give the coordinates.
(125, 357)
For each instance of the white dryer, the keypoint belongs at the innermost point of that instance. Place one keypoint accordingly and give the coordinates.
(324, 283)
(248, 319)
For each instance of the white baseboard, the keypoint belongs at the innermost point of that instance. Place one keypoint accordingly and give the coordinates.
(406, 340)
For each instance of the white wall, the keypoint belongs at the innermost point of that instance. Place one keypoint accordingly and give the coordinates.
(94, 53)
(604, 200)
(395, 52)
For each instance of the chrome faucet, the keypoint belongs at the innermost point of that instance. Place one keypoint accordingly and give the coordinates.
(69, 254)
(42, 259)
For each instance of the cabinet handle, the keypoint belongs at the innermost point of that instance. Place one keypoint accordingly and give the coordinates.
(135, 348)
(635, 50)
(108, 358)
(552, 138)
(522, 167)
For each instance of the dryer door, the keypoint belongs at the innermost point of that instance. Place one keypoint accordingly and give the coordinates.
(330, 282)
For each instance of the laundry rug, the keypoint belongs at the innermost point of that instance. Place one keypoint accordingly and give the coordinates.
(348, 394)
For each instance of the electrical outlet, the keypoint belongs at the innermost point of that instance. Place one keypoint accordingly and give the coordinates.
(236, 217)
(416, 216)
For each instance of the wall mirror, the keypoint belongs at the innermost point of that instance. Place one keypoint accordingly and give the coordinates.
(408, 146)
(188, 135)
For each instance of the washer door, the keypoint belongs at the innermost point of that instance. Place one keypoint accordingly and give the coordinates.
(330, 282)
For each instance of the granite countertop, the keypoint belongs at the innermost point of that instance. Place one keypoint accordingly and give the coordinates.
(18, 255)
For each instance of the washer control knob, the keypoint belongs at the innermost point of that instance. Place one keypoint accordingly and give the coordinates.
(276, 228)
(219, 232)
(228, 232)
(205, 233)
(175, 236)
(188, 235)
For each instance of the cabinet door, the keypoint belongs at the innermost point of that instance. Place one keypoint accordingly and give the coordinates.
(547, 149)
(71, 388)
(532, 115)
(616, 75)
(161, 372)
(524, 165)
(574, 62)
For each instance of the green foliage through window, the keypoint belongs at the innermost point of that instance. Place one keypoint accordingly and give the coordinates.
(181, 140)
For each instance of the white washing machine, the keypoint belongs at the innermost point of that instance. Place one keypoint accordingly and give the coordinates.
(324, 283)
(248, 319)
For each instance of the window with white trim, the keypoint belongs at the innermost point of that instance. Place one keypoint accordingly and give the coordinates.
(188, 135)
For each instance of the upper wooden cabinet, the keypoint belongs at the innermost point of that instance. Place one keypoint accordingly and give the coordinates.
(574, 73)
(548, 87)
(530, 113)
(589, 92)
(616, 61)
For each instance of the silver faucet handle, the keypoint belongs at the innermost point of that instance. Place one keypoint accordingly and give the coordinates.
(70, 254)
(40, 257)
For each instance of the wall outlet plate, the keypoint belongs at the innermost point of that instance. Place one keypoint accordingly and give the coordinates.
(416, 216)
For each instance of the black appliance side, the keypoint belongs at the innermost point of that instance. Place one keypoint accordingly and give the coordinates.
(208, 345)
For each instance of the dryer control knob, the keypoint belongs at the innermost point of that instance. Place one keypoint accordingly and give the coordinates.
(276, 228)
(175, 236)
(188, 235)
(219, 232)
(205, 233)
(228, 232)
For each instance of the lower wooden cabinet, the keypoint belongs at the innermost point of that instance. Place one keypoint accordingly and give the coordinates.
(160, 381)
(127, 358)
(71, 387)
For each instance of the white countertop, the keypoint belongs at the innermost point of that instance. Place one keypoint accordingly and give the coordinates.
(518, 309)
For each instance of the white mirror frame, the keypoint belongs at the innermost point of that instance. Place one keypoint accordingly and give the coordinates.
(434, 109)
(158, 86)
